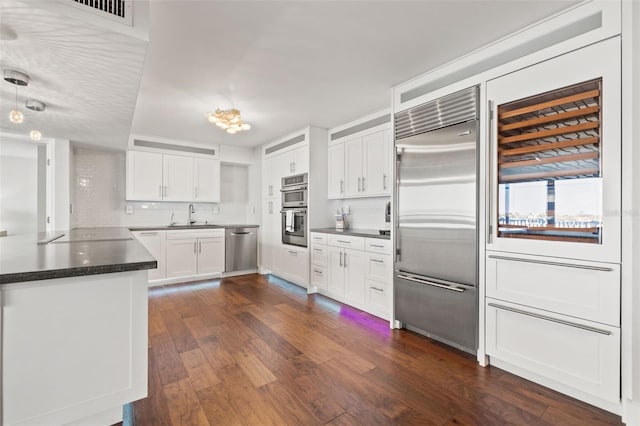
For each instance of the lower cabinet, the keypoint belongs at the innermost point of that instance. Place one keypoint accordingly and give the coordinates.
(182, 257)
(211, 255)
(294, 264)
(154, 242)
(353, 270)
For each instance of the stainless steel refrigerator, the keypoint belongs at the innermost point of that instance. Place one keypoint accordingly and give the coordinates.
(436, 209)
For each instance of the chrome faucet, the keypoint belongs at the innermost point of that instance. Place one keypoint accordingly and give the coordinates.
(171, 221)
(191, 211)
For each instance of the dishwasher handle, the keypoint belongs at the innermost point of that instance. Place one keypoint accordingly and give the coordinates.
(241, 233)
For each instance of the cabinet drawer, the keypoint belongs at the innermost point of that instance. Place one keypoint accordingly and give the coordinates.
(318, 238)
(570, 352)
(319, 255)
(379, 298)
(319, 276)
(346, 241)
(582, 290)
(195, 233)
(379, 267)
(377, 245)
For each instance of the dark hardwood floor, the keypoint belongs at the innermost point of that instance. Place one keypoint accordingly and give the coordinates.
(255, 350)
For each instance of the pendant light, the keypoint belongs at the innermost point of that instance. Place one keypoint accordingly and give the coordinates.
(16, 78)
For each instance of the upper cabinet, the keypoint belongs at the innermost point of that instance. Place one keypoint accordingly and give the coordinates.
(360, 163)
(556, 147)
(162, 175)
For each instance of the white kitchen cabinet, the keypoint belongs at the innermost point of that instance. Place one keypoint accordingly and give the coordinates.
(364, 169)
(379, 267)
(271, 241)
(177, 177)
(206, 180)
(354, 267)
(211, 255)
(154, 242)
(299, 160)
(144, 176)
(378, 298)
(353, 167)
(335, 173)
(319, 277)
(295, 264)
(182, 259)
(337, 278)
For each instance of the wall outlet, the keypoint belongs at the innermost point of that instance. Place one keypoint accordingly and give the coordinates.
(346, 209)
(216, 209)
(129, 209)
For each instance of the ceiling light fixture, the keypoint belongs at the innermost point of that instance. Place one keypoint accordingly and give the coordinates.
(35, 105)
(35, 135)
(18, 79)
(228, 119)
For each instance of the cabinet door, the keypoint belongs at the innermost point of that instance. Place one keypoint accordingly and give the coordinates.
(206, 180)
(210, 255)
(335, 168)
(355, 267)
(379, 267)
(182, 259)
(555, 178)
(266, 230)
(154, 242)
(177, 177)
(336, 271)
(144, 176)
(353, 167)
(300, 160)
(376, 164)
(295, 265)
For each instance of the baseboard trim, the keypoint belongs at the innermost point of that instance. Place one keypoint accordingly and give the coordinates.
(631, 412)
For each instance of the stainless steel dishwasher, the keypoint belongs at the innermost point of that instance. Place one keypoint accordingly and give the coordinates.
(241, 249)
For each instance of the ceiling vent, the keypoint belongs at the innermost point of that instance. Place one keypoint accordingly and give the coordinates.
(117, 10)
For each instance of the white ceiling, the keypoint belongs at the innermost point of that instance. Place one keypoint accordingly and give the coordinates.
(285, 65)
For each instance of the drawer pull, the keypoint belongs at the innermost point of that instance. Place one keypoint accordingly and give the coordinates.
(545, 262)
(317, 272)
(317, 238)
(376, 245)
(546, 318)
(377, 261)
(317, 249)
(431, 283)
(344, 242)
(148, 233)
(295, 253)
(377, 289)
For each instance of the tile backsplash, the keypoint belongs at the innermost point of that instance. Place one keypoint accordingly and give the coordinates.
(98, 188)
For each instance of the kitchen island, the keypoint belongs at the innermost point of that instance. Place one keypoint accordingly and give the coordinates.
(74, 326)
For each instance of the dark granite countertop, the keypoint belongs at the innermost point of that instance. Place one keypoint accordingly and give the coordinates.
(84, 251)
(368, 233)
(183, 227)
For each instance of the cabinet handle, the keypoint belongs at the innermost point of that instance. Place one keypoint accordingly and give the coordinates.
(491, 183)
(546, 318)
(165, 190)
(377, 289)
(199, 246)
(270, 207)
(317, 238)
(148, 233)
(196, 192)
(317, 249)
(362, 183)
(359, 183)
(384, 181)
(341, 186)
(344, 242)
(160, 191)
(377, 260)
(431, 283)
(317, 272)
(195, 247)
(376, 245)
(270, 190)
(294, 166)
(341, 259)
(345, 260)
(295, 253)
(546, 262)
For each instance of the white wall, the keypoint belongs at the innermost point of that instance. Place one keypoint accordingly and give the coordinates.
(61, 195)
(365, 213)
(636, 207)
(18, 186)
(98, 194)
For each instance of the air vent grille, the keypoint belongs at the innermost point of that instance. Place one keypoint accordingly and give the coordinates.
(446, 111)
(383, 119)
(112, 7)
(284, 144)
(172, 147)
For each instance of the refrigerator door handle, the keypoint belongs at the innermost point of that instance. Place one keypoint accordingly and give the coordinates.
(431, 283)
(491, 174)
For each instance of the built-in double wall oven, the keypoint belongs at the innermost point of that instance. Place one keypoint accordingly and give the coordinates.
(294, 209)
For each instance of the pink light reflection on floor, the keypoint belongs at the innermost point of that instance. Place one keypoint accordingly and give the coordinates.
(375, 324)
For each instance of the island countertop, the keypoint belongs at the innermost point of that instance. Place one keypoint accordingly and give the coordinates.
(84, 251)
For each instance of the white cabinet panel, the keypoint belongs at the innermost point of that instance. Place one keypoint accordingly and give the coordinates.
(378, 245)
(144, 176)
(177, 177)
(379, 267)
(346, 241)
(335, 173)
(211, 255)
(295, 264)
(318, 238)
(376, 152)
(378, 298)
(566, 351)
(581, 289)
(300, 160)
(182, 257)
(336, 271)
(353, 169)
(154, 241)
(319, 255)
(206, 180)
(354, 266)
(319, 277)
